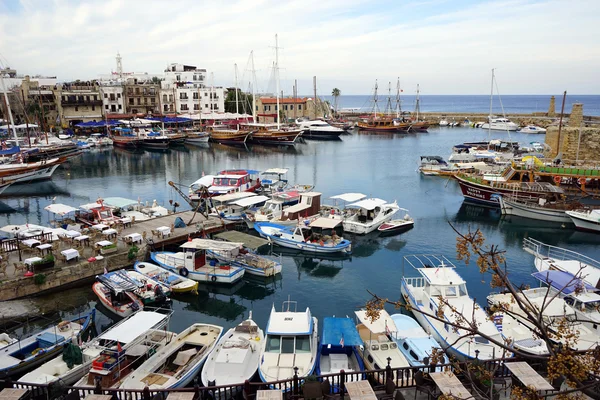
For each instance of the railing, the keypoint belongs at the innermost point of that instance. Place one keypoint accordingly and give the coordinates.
(82, 102)
(10, 245)
(543, 250)
(402, 377)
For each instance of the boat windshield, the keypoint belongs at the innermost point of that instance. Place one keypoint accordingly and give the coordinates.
(225, 182)
(288, 344)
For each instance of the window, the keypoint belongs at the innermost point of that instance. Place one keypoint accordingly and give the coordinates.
(170, 98)
(196, 106)
(195, 78)
(118, 95)
(93, 108)
(152, 91)
(112, 97)
(462, 290)
(479, 339)
(145, 100)
(446, 327)
(287, 345)
(120, 107)
(303, 344)
(139, 102)
(105, 95)
(76, 108)
(145, 91)
(178, 78)
(195, 95)
(206, 106)
(166, 107)
(299, 106)
(164, 98)
(370, 358)
(265, 108)
(451, 291)
(285, 107)
(106, 107)
(113, 108)
(137, 91)
(184, 107)
(413, 355)
(130, 102)
(205, 94)
(152, 100)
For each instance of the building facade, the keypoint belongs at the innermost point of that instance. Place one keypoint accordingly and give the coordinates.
(41, 102)
(78, 102)
(141, 96)
(291, 108)
(112, 98)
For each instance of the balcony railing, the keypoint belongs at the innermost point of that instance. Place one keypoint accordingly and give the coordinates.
(82, 102)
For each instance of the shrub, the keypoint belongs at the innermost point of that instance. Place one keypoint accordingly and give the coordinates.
(39, 279)
(133, 250)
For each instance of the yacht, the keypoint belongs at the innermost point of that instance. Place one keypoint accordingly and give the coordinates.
(500, 124)
(365, 215)
(292, 342)
(438, 277)
(585, 220)
(532, 129)
(319, 129)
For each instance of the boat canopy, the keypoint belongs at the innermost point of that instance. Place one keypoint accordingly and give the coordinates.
(130, 329)
(368, 204)
(296, 208)
(382, 325)
(340, 332)
(349, 197)
(275, 171)
(120, 202)
(250, 201)
(205, 181)
(562, 281)
(208, 244)
(118, 282)
(325, 223)
(233, 196)
(93, 206)
(60, 209)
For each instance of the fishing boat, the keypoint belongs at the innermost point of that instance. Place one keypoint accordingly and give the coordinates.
(228, 136)
(543, 209)
(193, 262)
(307, 238)
(197, 137)
(518, 336)
(149, 290)
(118, 298)
(532, 129)
(124, 138)
(235, 357)
(226, 182)
(395, 226)
(586, 220)
(139, 328)
(339, 348)
(379, 348)
(23, 355)
(438, 278)
(154, 140)
(233, 206)
(416, 344)
(365, 215)
(291, 342)
(177, 363)
(235, 254)
(176, 283)
(277, 210)
(318, 129)
(21, 171)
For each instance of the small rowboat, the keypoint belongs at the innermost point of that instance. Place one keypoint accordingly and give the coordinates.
(177, 283)
(397, 225)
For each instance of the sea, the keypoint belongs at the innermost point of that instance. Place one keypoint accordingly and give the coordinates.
(507, 104)
(378, 165)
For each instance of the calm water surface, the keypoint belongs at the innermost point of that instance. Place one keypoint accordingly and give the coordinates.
(380, 165)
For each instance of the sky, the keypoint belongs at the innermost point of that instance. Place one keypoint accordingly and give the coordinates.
(447, 47)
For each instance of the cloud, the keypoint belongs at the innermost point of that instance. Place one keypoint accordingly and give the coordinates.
(448, 47)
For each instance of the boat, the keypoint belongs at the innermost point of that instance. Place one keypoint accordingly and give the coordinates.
(177, 363)
(176, 138)
(5, 340)
(21, 171)
(148, 290)
(23, 355)
(311, 238)
(377, 122)
(379, 349)
(318, 129)
(154, 140)
(228, 136)
(541, 208)
(124, 138)
(193, 262)
(271, 134)
(416, 344)
(518, 336)
(136, 329)
(438, 278)
(197, 137)
(532, 129)
(548, 257)
(233, 206)
(585, 220)
(416, 124)
(274, 180)
(235, 254)
(176, 283)
(499, 124)
(235, 357)
(99, 140)
(339, 348)
(365, 215)
(443, 122)
(118, 298)
(279, 212)
(437, 166)
(225, 182)
(395, 226)
(291, 344)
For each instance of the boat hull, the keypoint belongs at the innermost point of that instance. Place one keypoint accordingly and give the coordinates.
(121, 311)
(229, 137)
(489, 195)
(40, 172)
(389, 229)
(275, 138)
(127, 143)
(323, 135)
(156, 143)
(533, 212)
(586, 225)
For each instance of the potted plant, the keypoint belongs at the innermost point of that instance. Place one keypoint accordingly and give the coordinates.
(46, 262)
(111, 248)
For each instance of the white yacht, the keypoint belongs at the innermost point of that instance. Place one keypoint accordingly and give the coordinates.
(499, 124)
(292, 341)
(365, 215)
(319, 129)
(521, 337)
(586, 220)
(439, 278)
(233, 206)
(532, 129)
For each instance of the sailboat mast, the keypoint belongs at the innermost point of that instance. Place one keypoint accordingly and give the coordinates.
(10, 116)
(375, 101)
(295, 96)
(253, 88)
(315, 90)
(237, 110)
(490, 116)
(417, 105)
(277, 77)
(398, 106)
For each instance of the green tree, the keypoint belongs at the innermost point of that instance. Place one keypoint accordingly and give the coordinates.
(244, 102)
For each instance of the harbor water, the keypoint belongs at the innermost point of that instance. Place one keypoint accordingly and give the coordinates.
(378, 165)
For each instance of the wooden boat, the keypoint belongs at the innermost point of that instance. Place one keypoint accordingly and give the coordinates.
(395, 226)
(236, 254)
(176, 283)
(235, 357)
(229, 136)
(139, 328)
(126, 141)
(175, 365)
(537, 208)
(117, 298)
(379, 124)
(197, 137)
(23, 355)
(421, 126)
(277, 137)
(20, 171)
(339, 347)
(176, 139)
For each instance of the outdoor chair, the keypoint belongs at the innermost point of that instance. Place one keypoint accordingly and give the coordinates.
(326, 389)
(3, 266)
(312, 390)
(132, 219)
(388, 393)
(424, 385)
(61, 257)
(20, 267)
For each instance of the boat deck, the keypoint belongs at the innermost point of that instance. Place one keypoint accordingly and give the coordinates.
(250, 241)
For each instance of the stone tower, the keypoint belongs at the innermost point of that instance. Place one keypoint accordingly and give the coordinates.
(119, 66)
(552, 108)
(576, 117)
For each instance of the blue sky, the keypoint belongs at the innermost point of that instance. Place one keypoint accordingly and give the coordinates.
(448, 47)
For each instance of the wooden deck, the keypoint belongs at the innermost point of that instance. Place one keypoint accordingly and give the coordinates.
(251, 242)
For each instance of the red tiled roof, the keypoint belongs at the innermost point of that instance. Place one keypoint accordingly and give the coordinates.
(285, 100)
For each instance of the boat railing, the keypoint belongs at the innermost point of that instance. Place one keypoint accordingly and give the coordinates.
(403, 377)
(427, 261)
(543, 250)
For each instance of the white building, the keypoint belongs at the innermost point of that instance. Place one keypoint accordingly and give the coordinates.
(184, 91)
(112, 97)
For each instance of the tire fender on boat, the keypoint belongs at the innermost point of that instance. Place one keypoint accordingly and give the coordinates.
(557, 179)
(213, 278)
(184, 272)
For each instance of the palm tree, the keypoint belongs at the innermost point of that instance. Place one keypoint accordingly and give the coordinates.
(335, 93)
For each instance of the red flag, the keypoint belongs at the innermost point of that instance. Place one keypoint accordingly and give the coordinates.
(342, 341)
(119, 349)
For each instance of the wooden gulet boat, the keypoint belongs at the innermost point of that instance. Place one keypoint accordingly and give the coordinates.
(229, 136)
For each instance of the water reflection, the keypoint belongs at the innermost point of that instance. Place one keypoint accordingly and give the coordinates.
(210, 304)
(35, 189)
(317, 268)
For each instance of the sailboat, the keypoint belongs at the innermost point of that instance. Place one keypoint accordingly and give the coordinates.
(377, 122)
(417, 124)
(494, 122)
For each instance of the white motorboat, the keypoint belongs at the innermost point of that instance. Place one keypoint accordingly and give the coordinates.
(365, 215)
(379, 348)
(320, 236)
(274, 180)
(197, 137)
(193, 262)
(236, 356)
(233, 206)
(235, 254)
(500, 124)
(535, 208)
(439, 278)
(292, 341)
(138, 328)
(150, 291)
(444, 122)
(519, 336)
(586, 220)
(176, 283)
(416, 344)
(548, 257)
(532, 129)
(287, 208)
(177, 363)
(340, 348)
(319, 129)
(395, 226)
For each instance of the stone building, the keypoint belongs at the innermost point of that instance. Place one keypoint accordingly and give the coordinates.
(576, 142)
(141, 96)
(291, 108)
(78, 102)
(41, 102)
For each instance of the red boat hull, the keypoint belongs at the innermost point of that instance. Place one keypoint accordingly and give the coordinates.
(486, 194)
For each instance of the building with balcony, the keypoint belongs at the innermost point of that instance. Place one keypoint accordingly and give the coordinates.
(40, 103)
(78, 102)
(141, 96)
(291, 108)
(113, 101)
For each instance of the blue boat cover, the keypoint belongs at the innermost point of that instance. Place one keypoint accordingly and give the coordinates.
(50, 339)
(334, 329)
(12, 150)
(560, 279)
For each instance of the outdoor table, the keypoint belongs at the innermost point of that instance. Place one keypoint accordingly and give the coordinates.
(449, 384)
(164, 230)
(72, 234)
(181, 396)
(360, 390)
(126, 221)
(32, 260)
(83, 238)
(134, 238)
(109, 232)
(13, 394)
(43, 247)
(70, 254)
(100, 227)
(103, 243)
(268, 395)
(528, 376)
(98, 397)
(31, 242)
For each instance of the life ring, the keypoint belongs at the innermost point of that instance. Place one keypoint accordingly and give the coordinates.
(213, 278)
(582, 181)
(557, 179)
(184, 272)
